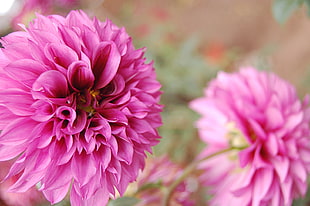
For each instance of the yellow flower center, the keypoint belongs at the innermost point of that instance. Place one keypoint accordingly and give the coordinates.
(236, 139)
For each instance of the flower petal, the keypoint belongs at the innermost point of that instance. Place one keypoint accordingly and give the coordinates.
(25, 71)
(18, 132)
(80, 76)
(56, 195)
(50, 84)
(83, 167)
(105, 63)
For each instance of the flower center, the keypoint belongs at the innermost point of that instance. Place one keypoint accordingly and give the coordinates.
(88, 101)
(235, 136)
(236, 140)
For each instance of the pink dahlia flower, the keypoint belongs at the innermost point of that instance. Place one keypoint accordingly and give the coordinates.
(261, 113)
(78, 106)
(30, 198)
(161, 172)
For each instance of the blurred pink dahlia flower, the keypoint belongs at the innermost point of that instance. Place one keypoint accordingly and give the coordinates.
(78, 106)
(30, 198)
(29, 7)
(161, 172)
(261, 113)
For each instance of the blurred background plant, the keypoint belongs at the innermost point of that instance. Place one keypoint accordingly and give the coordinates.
(189, 42)
(282, 10)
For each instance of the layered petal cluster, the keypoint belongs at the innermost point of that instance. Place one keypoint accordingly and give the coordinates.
(29, 198)
(161, 172)
(260, 113)
(78, 107)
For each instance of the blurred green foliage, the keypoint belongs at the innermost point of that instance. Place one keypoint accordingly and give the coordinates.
(283, 9)
(183, 73)
(124, 201)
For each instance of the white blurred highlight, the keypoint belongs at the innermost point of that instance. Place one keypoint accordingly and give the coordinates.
(5, 6)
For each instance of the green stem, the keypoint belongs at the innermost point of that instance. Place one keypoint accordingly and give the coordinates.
(148, 186)
(187, 171)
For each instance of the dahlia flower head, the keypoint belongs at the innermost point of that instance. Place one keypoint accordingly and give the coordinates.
(46, 5)
(259, 113)
(161, 172)
(78, 108)
(29, 198)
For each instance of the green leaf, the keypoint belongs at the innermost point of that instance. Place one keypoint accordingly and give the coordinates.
(124, 201)
(283, 9)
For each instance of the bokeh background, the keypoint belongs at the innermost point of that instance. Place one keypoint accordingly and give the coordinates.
(190, 41)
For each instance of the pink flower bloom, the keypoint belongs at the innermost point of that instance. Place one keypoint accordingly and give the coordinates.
(29, 198)
(162, 172)
(78, 106)
(42, 6)
(260, 112)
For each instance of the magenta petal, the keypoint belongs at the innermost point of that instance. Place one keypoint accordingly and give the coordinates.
(35, 168)
(106, 60)
(16, 168)
(90, 40)
(79, 124)
(56, 195)
(88, 190)
(25, 71)
(24, 183)
(80, 76)
(17, 51)
(56, 178)
(258, 130)
(8, 152)
(263, 181)
(286, 188)
(114, 115)
(141, 126)
(293, 120)
(125, 150)
(103, 156)
(60, 54)
(271, 145)
(75, 198)
(17, 132)
(274, 118)
(6, 116)
(66, 113)
(100, 198)
(70, 38)
(43, 37)
(45, 134)
(150, 86)
(298, 170)
(62, 152)
(78, 19)
(246, 156)
(50, 84)
(116, 86)
(113, 145)
(17, 101)
(102, 126)
(44, 110)
(83, 168)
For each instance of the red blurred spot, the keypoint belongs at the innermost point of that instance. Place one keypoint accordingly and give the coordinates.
(160, 14)
(142, 30)
(214, 52)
